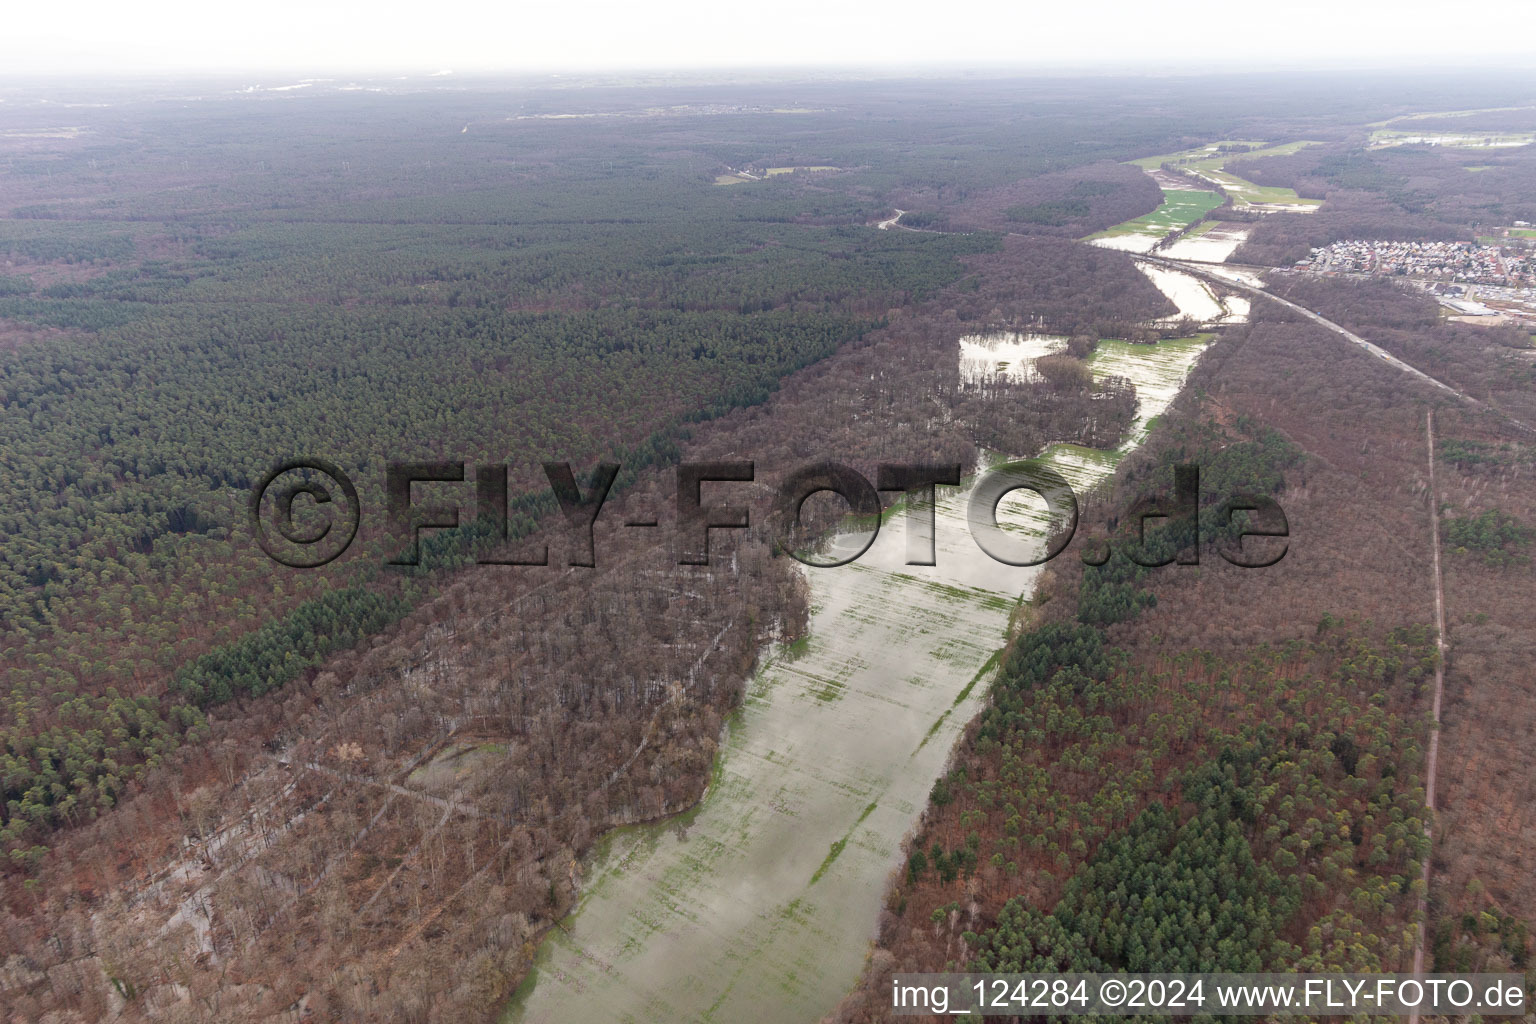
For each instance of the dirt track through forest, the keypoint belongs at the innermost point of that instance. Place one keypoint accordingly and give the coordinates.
(1433, 758)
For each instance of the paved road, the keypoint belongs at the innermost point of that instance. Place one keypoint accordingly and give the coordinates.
(1191, 267)
(1199, 270)
(1431, 764)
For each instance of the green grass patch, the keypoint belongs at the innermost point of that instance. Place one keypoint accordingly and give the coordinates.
(832, 855)
(990, 665)
(796, 648)
(938, 723)
(1202, 160)
(837, 848)
(951, 592)
(1179, 208)
(1245, 191)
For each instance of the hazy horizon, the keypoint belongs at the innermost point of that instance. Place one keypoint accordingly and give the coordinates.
(177, 37)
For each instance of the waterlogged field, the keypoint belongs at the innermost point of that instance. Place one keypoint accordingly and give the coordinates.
(1209, 163)
(760, 904)
(1423, 115)
(1195, 299)
(1006, 354)
(1179, 208)
(1383, 138)
(1158, 371)
(1210, 242)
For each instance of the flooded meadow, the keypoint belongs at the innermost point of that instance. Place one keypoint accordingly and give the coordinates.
(761, 902)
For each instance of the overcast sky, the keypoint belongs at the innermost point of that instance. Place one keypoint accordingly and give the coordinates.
(513, 36)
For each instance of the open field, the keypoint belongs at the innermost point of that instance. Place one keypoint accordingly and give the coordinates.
(1211, 241)
(1383, 138)
(1210, 158)
(1209, 163)
(1178, 208)
(822, 772)
(1427, 115)
(739, 177)
(1258, 195)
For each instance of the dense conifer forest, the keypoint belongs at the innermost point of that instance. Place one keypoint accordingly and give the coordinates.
(366, 791)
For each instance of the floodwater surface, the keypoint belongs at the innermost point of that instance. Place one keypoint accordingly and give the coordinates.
(1191, 295)
(1213, 246)
(761, 903)
(1009, 355)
